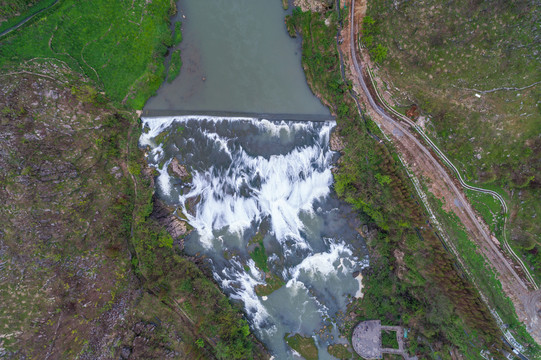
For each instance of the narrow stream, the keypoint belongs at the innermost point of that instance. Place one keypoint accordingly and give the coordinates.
(253, 176)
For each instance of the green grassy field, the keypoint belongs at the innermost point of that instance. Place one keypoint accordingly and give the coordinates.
(177, 37)
(118, 45)
(13, 8)
(489, 208)
(474, 68)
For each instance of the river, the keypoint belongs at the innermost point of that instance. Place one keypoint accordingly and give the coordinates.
(257, 183)
(237, 56)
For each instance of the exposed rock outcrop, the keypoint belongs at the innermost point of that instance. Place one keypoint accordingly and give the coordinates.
(336, 142)
(179, 170)
(174, 226)
(313, 5)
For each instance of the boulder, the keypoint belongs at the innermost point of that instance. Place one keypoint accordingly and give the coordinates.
(179, 170)
(336, 142)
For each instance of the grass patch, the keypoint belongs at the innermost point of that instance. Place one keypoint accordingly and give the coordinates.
(272, 284)
(285, 4)
(259, 256)
(388, 339)
(339, 351)
(306, 346)
(177, 37)
(91, 37)
(489, 208)
(174, 66)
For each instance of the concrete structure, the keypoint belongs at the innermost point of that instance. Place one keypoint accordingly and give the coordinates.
(366, 340)
(226, 114)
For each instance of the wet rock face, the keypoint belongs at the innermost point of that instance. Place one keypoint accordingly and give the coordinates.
(177, 228)
(336, 142)
(179, 170)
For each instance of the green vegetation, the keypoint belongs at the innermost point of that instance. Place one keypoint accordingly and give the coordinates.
(260, 256)
(118, 45)
(490, 209)
(174, 66)
(292, 31)
(273, 283)
(472, 68)
(486, 280)
(16, 11)
(339, 351)
(14, 7)
(412, 280)
(306, 346)
(285, 4)
(388, 340)
(370, 29)
(177, 38)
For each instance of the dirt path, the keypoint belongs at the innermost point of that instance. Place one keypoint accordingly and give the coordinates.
(423, 163)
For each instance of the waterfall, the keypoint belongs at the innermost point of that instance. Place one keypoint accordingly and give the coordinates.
(273, 177)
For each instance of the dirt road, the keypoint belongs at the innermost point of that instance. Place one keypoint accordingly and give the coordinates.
(423, 163)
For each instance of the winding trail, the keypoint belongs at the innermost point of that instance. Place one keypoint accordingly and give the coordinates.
(516, 280)
(448, 162)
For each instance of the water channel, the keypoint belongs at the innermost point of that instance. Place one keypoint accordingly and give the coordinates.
(256, 181)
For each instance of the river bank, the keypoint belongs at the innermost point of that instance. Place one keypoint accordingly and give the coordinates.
(380, 190)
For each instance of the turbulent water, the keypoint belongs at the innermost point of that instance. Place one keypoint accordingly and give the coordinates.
(251, 177)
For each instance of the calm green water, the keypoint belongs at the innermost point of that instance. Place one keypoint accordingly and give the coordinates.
(237, 56)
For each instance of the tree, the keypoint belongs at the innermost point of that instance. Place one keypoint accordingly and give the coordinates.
(379, 53)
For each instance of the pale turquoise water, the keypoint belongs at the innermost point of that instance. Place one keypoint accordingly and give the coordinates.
(237, 56)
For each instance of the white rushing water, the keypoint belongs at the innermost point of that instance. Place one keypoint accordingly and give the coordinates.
(246, 172)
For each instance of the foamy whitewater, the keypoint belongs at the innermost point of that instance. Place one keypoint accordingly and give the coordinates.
(251, 176)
